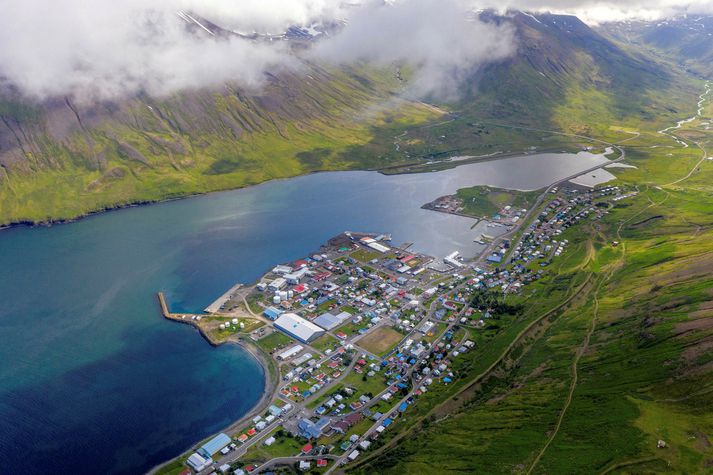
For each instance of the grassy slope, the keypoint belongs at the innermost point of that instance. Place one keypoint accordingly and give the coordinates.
(645, 373)
(564, 77)
(197, 142)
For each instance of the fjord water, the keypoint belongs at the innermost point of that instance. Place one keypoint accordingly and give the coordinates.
(93, 380)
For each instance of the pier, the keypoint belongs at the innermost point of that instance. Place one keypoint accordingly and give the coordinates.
(215, 306)
(181, 317)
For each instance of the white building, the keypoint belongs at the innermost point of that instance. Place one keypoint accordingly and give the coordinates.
(282, 269)
(302, 359)
(297, 327)
(294, 277)
(277, 284)
(290, 352)
(198, 463)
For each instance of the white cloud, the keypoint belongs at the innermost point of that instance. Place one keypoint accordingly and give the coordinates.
(598, 11)
(99, 49)
(434, 36)
(104, 49)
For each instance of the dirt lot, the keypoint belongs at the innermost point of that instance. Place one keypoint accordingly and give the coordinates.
(380, 340)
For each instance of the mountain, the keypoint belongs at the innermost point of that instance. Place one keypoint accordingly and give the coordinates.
(564, 76)
(687, 40)
(564, 67)
(61, 159)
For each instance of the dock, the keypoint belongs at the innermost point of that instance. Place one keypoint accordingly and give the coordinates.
(185, 318)
(181, 317)
(215, 306)
(164, 305)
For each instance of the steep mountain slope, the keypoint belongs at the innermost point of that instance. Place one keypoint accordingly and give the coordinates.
(687, 40)
(61, 159)
(561, 63)
(564, 76)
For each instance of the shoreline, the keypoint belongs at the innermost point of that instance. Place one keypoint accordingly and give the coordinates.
(271, 383)
(445, 164)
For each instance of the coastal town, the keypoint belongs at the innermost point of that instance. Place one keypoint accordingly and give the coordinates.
(355, 334)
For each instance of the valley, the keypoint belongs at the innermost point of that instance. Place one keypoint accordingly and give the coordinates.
(365, 237)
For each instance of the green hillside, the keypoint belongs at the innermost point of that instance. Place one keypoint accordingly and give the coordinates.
(611, 354)
(62, 159)
(564, 77)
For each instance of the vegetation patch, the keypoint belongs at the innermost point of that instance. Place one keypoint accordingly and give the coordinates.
(486, 201)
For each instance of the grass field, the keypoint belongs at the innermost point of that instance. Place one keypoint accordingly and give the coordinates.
(274, 341)
(380, 341)
(483, 201)
(364, 255)
(325, 342)
(284, 446)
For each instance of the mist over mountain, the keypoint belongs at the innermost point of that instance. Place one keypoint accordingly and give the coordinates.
(685, 39)
(107, 50)
(117, 103)
(110, 50)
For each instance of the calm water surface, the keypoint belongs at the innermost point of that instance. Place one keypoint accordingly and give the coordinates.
(93, 380)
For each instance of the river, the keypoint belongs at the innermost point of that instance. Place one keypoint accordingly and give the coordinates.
(92, 379)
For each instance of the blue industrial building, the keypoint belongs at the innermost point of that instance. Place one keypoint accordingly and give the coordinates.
(272, 313)
(214, 445)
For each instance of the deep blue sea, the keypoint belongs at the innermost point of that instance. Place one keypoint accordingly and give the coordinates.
(94, 380)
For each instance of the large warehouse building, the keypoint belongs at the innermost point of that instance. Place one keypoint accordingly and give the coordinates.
(297, 327)
(329, 321)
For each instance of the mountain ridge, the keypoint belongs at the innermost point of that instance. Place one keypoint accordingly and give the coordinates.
(62, 159)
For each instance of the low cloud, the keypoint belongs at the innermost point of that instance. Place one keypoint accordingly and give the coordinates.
(600, 11)
(106, 49)
(435, 37)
